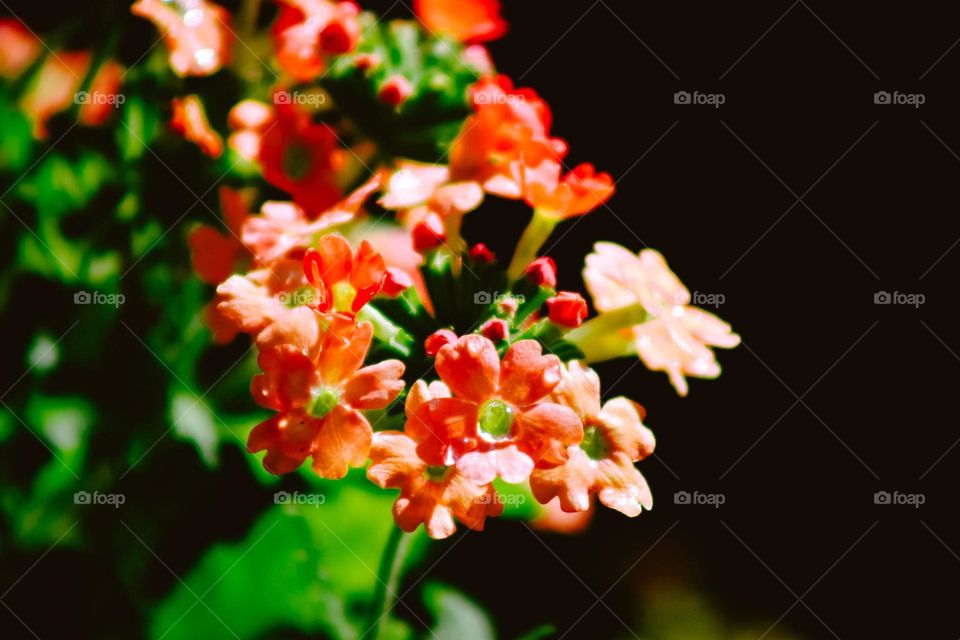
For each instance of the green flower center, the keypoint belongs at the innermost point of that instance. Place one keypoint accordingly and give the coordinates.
(296, 161)
(495, 419)
(436, 473)
(323, 402)
(595, 444)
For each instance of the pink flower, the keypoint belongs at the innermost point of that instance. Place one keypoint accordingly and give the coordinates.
(499, 420)
(197, 33)
(677, 337)
(602, 464)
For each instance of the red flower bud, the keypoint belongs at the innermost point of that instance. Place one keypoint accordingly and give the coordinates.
(542, 271)
(480, 253)
(495, 329)
(395, 282)
(437, 340)
(395, 90)
(428, 234)
(567, 309)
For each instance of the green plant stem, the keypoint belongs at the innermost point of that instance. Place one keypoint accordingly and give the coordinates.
(600, 338)
(388, 579)
(533, 238)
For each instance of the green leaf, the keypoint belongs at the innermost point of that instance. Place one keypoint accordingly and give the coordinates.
(192, 421)
(457, 616)
(312, 566)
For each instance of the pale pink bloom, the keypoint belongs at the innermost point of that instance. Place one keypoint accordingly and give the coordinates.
(413, 185)
(677, 337)
(197, 33)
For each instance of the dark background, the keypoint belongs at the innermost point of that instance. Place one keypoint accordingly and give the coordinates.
(713, 189)
(830, 399)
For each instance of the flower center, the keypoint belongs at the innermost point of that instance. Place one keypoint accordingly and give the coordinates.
(296, 161)
(595, 444)
(343, 295)
(436, 473)
(323, 402)
(495, 419)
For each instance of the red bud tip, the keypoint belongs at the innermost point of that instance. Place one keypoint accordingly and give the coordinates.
(395, 282)
(437, 340)
(567, 309)
(428, 234)
(495, 329)
(542, 272)
(395, 91)
(480, 253)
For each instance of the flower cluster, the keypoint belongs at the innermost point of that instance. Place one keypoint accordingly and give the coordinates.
(380, 341)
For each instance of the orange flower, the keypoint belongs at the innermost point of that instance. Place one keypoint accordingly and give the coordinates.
(429, 494)
(319, 395)
(214, 255)
(285, 230)
(499, 421)
(344, 280)
(614, 438)
(56, 88)
(463, 20)
(677, 337)
(578, 192)
(302, 158)
(18, 47)
(196, 32)
(272, 304)
(305, 30)
(190, 120)
(506, 142)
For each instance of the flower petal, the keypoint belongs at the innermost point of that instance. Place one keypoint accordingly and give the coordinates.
(471, 367)
(375, 386)
(527, 375)
(344, 349)
(546, 430)
(344, 441)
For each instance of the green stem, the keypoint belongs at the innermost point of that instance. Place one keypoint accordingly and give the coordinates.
(533, 238)
(388, 579)
(247, 17)
(386, 331)
(600, 338)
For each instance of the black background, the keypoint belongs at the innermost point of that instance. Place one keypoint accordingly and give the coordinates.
(831, 398)
(715, 191)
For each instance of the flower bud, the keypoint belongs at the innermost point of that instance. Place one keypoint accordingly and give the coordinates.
(495, 329)
(395, 282)
(437, 340)
(542, 272)
(428, 234)
(567, 309)
(480, 253)
(395, 90)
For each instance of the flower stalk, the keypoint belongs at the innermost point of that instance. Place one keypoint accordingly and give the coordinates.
(388, 579)
(533, 238)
